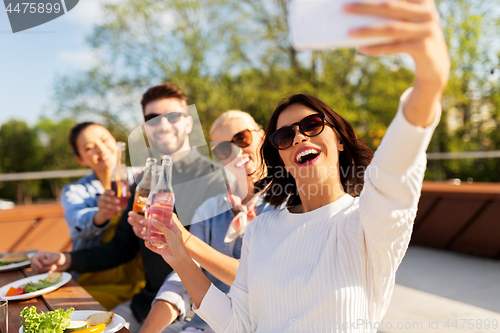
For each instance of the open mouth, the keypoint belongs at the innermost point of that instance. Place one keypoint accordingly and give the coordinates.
(307, 156)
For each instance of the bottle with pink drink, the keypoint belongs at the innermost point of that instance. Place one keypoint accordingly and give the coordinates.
(162, 204)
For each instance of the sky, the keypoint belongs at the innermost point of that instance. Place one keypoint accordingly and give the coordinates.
(30, 61)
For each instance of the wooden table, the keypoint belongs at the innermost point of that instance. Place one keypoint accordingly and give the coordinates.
(69, 295)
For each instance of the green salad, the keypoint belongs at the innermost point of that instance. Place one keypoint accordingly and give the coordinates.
(49, 322)
(41, 284)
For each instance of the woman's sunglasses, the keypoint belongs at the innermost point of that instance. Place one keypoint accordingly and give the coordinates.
(224, 150)
(310, 126)
(154, 119)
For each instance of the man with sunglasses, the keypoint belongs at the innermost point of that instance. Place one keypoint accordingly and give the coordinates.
(168, 125)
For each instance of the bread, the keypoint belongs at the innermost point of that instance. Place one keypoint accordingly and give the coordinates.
(14, 257)
(105, 317)
(54, 277)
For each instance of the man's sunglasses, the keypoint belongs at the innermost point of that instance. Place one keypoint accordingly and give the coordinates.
(310, 126)
(243, 139)
(154, 119)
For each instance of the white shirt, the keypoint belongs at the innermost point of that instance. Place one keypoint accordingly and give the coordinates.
(331, 269)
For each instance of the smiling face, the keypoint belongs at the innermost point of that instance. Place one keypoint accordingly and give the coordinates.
(167, 138)
(309, 159)
(249, 157)
(97, 148)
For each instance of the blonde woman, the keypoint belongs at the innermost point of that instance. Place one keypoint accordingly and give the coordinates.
(216, 241)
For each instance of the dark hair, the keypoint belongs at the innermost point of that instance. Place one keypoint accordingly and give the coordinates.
(75, 132)
(165, 90)
(354, 155)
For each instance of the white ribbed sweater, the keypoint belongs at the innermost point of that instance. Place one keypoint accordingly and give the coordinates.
(331, 269)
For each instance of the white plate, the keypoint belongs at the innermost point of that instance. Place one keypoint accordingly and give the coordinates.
(18, 265)
(66, 277)
(114, 326)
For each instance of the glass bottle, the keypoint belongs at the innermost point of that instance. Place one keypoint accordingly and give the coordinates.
(119, 176)
(162, 204)
(144, 187)
(155, 175)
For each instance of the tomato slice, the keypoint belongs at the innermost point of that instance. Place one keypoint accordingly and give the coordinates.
(20, 291)
(94, 329)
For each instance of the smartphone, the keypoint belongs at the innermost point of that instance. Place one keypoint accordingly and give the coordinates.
(323, 24)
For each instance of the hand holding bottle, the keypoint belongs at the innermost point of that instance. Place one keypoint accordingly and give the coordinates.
(162, 205)
(138, 223)
(142, 193)
(175, 251)
(109, 206)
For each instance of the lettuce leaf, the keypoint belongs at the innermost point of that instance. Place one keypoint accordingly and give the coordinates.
(49, 322)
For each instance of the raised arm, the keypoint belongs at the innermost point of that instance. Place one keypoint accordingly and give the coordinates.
(177, 256)
(231, 313)
(84, 221)
(221, 266)
(417, 33)
(393, 180)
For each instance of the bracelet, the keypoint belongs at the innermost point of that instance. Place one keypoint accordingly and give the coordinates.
(190, 234)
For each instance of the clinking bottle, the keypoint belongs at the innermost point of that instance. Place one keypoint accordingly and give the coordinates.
(155, 175)
(119, 176)
(162, 204)
(144, 188)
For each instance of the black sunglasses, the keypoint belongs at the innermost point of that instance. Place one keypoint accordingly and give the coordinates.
(154, 119)
(226, 149)
(310, 126)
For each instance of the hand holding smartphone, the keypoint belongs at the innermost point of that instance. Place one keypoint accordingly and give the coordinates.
(323, 24)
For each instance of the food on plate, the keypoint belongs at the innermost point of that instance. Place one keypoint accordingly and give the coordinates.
(94, 329)
(54, 277)
(15, 291)
(13, 258)
(76, 326)
(96, 323)
(11, 292)
(30, 287)
(45, 322)
(100, 318)
(49, 281)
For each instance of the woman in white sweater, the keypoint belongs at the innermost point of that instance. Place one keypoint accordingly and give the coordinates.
(328, 262)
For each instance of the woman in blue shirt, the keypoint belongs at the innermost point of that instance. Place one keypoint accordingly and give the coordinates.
(88, 207)
(216, 241)
(92, 213)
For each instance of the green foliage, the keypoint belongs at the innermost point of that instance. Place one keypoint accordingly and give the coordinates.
(43, 147)
(18, 147)
(224, 54)
(19, 152)
(470, 104)
(228, 54)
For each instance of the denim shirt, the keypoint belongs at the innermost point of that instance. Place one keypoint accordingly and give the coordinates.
(79, 201)
(216, 216)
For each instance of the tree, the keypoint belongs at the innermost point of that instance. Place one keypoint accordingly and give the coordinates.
(470, 114)
(18, 153)
(229, 54)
